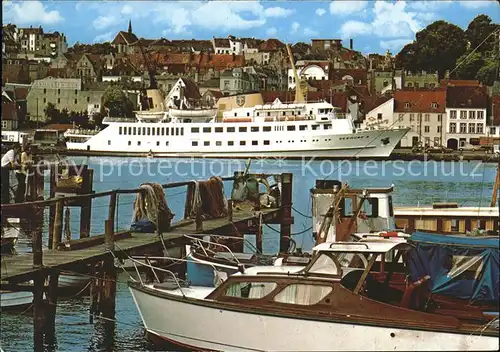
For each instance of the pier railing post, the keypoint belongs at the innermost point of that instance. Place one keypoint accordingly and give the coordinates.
(36, 247)
(109, 225)
(286, 211)
(58, 223)
(199, 221)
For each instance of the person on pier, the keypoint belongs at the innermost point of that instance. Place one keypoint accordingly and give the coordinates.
(22, 173)
(9, 162)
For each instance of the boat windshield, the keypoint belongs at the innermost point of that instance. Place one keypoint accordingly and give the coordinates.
(325, 263)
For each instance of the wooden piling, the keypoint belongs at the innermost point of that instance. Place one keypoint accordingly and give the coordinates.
(109, 289)
(109, 236)
(38, 311)
(286, 211)
(50, 310)
(52, 207)
(199, 221)
(86, 207)
(189, 200)
(58, 224)
(92, 293)
(36, 246)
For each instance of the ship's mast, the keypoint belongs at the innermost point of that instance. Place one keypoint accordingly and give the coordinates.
(299, 96)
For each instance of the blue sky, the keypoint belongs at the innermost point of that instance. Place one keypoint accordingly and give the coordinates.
(375, 26)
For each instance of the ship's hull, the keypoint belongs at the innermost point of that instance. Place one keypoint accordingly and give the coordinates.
(199, 324)
(365, 144)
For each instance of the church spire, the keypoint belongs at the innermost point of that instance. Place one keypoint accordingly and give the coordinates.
(130, 26)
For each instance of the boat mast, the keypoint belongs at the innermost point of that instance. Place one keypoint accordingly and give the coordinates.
(299, 96)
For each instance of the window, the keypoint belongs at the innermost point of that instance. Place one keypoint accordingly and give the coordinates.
(480, 115)
(472, 128)
(109, 142)
(120, 130)
(254, 129)
(407, 105)
(379, 116)
(206, 143)
(266, 142)
(453, 114)
(439, 129)
(412, 117)
(463, 128)
(134, 131)
(194, 143)
(207, 129)
(58, 91)
(139, 143)
(230, 143)
(153, 132)
(255, 143)
(327, 126)
(427, 129)
(427, 117)
(58, 100)
(290, 128)
(149, 131)
(88, 99)
(250, 290)
(129, 143)
(266, 128)
(302, 127)
(409, 85)
(493, 130)
(479, 128)
(440, 116)
(157, 143)
(453, 127)
(76, 101)
(231, 129)
(301, 294)
(463, 114)
(194, 129)
(417, 84)
(44, 100)
(242, 143)
(219, 129)
(242, 129)
(434, 105)
(44, 91)
(218, 143)
(454, 225)
(472, 115)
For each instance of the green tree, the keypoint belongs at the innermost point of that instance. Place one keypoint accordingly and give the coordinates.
(117, 102)
(488, 73)
(468, 65)
(478, 30)
(51, 113)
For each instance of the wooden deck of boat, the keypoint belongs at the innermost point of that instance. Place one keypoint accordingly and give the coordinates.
(20, 267)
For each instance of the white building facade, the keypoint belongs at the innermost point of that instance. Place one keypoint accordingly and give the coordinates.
(464, 126)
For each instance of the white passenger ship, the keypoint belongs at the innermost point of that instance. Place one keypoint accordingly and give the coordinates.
(279, 130)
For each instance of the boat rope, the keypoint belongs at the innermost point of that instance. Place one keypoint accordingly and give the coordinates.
(152, 204)
(304, 215)
(292, 234)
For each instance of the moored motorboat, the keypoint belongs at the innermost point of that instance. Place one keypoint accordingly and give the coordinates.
(327, 306)
(15, 299)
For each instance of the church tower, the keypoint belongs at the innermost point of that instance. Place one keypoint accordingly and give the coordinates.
(130, 26)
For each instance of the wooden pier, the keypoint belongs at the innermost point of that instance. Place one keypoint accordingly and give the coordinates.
(95, 255)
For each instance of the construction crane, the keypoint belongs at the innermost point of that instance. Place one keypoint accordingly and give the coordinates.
(299, 95)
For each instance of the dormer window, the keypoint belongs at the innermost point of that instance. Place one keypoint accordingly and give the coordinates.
(434, 105)
(407, 105)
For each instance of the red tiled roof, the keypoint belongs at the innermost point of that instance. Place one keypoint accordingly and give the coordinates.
(218, 62)
(359, 75)
(420, 100)
(271, 45)
(125, 38)
(15, 74)
(57, 72)
(369, 103)
(462, 83)
(59, 126)
(495, 110)
(9, 110)
(215, 93)
(325, 85)
(222, 43)
(21, 93)
(466, 97)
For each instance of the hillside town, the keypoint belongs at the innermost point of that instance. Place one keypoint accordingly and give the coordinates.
(46, 83)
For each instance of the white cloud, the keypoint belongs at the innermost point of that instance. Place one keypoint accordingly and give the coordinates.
(320, 11)
(344, 8)
(103, 22)
(271, 32)
(29, 12)
(309, 32)
(105, 37)
(477, 4)
(295, 27)
(127, 10)
(277, 12)
(354, 28)
(391, 20)
(394, 44)
(428, 5)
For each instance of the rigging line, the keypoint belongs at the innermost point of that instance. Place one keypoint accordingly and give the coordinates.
(292, 234)
(472, 52)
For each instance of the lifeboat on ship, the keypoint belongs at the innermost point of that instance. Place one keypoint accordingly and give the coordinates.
(237, 119)
(192, 113)
(146, 115)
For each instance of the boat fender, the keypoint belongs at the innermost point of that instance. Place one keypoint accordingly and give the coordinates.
(388, 234)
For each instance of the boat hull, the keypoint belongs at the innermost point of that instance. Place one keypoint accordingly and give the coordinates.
(199, 324)
(15, 299)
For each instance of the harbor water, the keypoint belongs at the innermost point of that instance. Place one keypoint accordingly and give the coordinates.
(415, 182)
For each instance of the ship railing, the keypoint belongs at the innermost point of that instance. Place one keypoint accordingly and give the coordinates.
(199, 243)
(118, 119)
(154, 269)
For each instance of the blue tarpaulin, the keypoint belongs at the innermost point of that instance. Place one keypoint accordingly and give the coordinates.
(459, 266)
